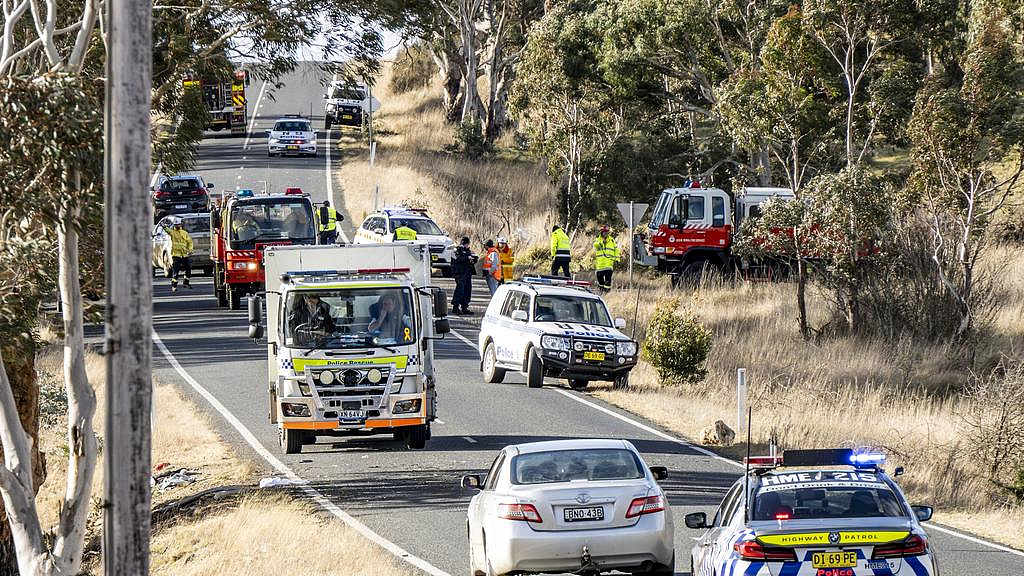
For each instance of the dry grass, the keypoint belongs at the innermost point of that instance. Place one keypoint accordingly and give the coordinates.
(249, 540)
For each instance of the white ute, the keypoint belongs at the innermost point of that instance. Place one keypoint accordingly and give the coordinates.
(350, 333)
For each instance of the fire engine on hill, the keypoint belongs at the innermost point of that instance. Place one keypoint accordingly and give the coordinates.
(243, 227)
(224, 100)
(692, 231)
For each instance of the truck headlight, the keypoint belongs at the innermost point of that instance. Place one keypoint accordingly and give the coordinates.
(374, 375)
(406, 406)
(327, 377)
(554, 343)
(243, 265)
(627, 348)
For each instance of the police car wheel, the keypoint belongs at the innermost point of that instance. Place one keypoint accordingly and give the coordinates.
(534, 371)
(492, 374)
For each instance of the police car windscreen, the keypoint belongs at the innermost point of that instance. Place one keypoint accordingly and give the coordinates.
(823, 495)
(291, 126)
(420, 225)
(340, 93)
(569, 465)
(252, 223)
(570, 309)
(349, 318)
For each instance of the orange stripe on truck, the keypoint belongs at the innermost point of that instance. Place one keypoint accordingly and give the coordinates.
(393, 423)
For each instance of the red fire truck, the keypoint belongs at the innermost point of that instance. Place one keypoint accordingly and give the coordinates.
(692, 229)
(244, 225)
(225, 100)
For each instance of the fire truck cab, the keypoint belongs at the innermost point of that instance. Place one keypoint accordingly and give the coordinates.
(224, 100)
(691, 230)
(245, 225)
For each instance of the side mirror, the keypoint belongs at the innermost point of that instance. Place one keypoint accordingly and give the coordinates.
(620, 323)
(440, 303)
(471, 481)
(923, 513)
(378, 231)
(696, 520)
(898, 471)
(659, 472)
(442, 326)
(209, 184)
(519, 315)
(255, 316)
(325, 96)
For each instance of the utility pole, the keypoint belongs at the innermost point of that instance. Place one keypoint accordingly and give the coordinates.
(129, 322)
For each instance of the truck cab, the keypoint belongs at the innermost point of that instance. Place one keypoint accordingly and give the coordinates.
(245, 225)
(350, 350)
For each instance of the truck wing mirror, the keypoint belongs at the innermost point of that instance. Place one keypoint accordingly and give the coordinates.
(255, 316)
(442, 326)
(519, 315)
(440, 303)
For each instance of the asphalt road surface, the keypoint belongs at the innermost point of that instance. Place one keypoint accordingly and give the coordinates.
(412, 499)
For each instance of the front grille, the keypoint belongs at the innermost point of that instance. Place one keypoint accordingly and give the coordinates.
(436, 249)
(591, 346)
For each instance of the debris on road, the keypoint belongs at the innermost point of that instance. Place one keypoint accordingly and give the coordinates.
(274, 482)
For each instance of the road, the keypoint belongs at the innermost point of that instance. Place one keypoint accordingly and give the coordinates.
(412, 498)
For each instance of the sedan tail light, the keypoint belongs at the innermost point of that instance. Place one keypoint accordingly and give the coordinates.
(524, 512)
(159, 194)
(648, 505)
(754, 550)
(914, 545)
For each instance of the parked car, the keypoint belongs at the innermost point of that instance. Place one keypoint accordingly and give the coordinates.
(581, 506)
(292, 134)
(181, 194)
(198, 227)
(379, 227)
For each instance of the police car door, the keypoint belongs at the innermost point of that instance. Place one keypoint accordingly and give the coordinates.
(506, 330)
(711, 544)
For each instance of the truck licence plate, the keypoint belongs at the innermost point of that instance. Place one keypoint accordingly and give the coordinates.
(583, 514)
(834, 560)
(348, 415)
(593, 355)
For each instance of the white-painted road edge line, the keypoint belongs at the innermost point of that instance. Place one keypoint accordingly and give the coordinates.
(255, 112)
(283, 468)
(468, 342)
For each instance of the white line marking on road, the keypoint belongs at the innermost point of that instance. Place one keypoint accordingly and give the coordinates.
(468, 342)
(255, 112)
(468, 439)
(438, 421)
(283, 468)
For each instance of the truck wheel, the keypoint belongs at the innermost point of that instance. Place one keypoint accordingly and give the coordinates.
(416, 437)
(578, 384)
(534, 371)
(621, 382)
(222, 297)
(234, 298)
(399, 434)
(492, 374)
(291, 440)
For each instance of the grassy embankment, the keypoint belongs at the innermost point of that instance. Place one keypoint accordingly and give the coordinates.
(240, 535)
(830, 392)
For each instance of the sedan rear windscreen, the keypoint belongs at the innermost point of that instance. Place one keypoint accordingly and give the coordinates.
(180, 184)
(569, 465)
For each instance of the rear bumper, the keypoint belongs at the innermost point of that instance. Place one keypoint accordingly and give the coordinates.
(183, 206)
(516, 547)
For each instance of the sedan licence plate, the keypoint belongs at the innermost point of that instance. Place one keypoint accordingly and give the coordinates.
(346, 116)
(583, 514)
(593, 355)
(180, 206)
(834, 560)
(293, 148)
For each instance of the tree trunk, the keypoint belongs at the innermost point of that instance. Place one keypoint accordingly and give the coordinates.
(801, 298)
(446, 56)
(19, 362)
(472, 107)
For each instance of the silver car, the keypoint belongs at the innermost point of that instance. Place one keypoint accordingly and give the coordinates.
(198, 227)
(582, 506)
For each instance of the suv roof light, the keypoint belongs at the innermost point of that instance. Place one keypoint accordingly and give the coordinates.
(244, 193)
(553, 281)
(763, 462)
(293, 190)
(833, 457)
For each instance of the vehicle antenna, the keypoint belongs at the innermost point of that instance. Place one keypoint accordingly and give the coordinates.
(746, 472)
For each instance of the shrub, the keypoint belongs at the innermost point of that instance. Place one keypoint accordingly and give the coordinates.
(677, 345)
(992, 426)
(413, 69)
(470, 140)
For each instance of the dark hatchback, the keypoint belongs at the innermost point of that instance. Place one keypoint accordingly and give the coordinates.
(179, 195)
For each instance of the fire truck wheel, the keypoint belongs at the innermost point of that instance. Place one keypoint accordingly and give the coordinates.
(577, 384)
(234, 298)
(492, 374)
(534, 371)
(291, 441)
(416, 437)
(327, 123)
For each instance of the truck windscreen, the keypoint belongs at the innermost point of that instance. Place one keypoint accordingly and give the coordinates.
(349, 318)
(258, 222)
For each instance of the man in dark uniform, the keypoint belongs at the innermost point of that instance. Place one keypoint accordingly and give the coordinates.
(463, 265)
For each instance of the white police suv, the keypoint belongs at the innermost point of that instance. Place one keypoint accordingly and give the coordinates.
(545, 327)
(814, 513)
(380, 227)
(292, 134)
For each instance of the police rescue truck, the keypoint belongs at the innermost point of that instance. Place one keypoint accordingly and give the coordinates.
(350, 333)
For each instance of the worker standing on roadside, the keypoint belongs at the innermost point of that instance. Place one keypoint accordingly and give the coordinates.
(507, 259)
(560, 255)
(606, 254)
(463, 265)
(327, 223)
(181, 248)
(492, 266)
(404, 233)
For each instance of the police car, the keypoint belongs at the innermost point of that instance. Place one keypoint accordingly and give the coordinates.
(814, 513)
(380, 227)
(545, 327)
(292, 134)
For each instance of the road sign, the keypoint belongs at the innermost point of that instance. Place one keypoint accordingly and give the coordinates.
(632, 212)
(371, 104)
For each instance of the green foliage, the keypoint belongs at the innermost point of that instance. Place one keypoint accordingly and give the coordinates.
(413, 69)
(470, 140)
(676, 345)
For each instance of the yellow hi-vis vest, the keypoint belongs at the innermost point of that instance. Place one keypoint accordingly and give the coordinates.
(332, 219)
(405, 233)
(605, 253)
(181, 243)
(559, 243)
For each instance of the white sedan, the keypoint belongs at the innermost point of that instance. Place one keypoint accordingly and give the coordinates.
(570, 506)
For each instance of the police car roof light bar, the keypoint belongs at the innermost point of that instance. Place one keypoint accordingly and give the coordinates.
(293, 190)
(244, 193)
(867, 460)
(763, 462)
(553, 281)
(820, 457)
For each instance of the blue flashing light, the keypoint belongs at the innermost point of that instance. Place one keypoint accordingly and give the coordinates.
(244, 193)
(867, 459)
